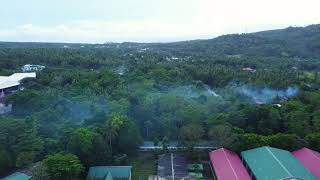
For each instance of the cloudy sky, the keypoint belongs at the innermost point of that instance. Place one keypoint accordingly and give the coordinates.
(99, 21)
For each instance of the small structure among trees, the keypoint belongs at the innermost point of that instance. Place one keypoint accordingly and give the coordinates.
(32, 67)
(109, 173)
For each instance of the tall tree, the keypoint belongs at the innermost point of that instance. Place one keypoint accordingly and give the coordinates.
(191, 134)
(112, 127)
(81, 144)
(63, 166)
(19, 143)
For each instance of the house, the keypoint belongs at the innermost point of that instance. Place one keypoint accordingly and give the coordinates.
(9, 84)
(109, 173)
(32, 67)
(310, 159)
(267, 163)
(248, 69)
(227, 165)
(18, 176)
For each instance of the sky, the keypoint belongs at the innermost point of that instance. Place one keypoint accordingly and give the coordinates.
(100, 21)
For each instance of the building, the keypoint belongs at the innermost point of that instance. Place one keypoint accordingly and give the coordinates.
(151, 146)
(32, 67)
(18, 176)
(9, 84)
(227, 165)
(173, 167)
(4, 109)
(248, 69)
(310, 159)
(266, 163)
(2, 96)
(173, 146)
(109, 173)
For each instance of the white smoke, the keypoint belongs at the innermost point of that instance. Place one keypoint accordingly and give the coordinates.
(267, 95)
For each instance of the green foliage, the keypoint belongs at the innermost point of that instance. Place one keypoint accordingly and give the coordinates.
(191, 134)
(63, 166)
(81, 144)
(81, 104)
(19, 143)
(283, 141)
(314, 140)
(223, 135)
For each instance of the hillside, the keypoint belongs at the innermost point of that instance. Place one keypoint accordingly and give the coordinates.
(97, 103)
(302, 42)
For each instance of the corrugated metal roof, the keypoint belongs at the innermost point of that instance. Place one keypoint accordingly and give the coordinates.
(310, 159)
(228, 166)
(109, 176)
(117, 172)
(267, 163)
(17, 176)
(14, 79)
(20, 76)
(172, 166)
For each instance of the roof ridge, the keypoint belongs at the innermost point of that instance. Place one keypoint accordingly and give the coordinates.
(234, 172)
(217, 150)
(313, 154)
(279, 162)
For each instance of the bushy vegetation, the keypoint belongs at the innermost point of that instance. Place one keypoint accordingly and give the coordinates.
(100, 102)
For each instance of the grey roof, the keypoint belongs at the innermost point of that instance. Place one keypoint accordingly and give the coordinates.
(172, 166)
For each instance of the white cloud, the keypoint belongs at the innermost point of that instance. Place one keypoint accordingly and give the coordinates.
(208, 18)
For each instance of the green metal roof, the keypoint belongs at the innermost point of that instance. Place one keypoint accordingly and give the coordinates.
(267, 163)
(109, 177)
(104, 172)
(17, 176)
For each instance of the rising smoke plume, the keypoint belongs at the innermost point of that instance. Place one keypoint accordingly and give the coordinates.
(267, 95)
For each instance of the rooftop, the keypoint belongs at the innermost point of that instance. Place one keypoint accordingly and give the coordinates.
(310, 159)
(172, 166)
(109, 173)
(271, 163)
(14, 79)
(17, 176)
(228, 166)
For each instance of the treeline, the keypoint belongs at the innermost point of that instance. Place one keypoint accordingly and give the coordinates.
(22, 144)
(95, 106)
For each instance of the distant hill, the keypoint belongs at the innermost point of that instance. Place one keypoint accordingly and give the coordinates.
(300, 42)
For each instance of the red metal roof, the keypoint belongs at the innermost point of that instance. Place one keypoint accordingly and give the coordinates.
(228, 166)
(310, 159)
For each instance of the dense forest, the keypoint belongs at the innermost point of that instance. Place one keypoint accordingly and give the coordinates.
(95, 103)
